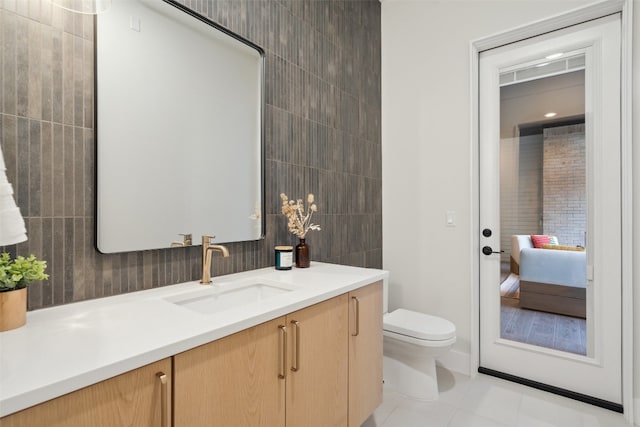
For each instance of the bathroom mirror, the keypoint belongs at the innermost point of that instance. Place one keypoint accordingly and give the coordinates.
(179, 108)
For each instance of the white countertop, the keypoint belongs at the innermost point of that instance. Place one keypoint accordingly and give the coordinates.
(65, 348)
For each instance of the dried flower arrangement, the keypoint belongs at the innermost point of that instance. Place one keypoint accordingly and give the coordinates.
(299, 221)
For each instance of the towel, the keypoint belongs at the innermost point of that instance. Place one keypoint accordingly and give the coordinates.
(12, 228)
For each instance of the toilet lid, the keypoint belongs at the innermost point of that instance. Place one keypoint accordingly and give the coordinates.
(419, 325)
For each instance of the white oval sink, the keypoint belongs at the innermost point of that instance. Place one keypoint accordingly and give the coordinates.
(214, 300)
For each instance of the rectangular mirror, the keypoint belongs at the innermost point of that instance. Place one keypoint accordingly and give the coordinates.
(179, 132)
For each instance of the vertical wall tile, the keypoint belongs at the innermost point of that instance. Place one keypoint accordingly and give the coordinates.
(46, 170)
(9, 139)
(34, 229)
(89, 254)
(80, 287)
(58, 167)
(67, 77)
(22, 66)
(69, 275)
(47, 254)
(21, 184)
(88, 179)
(322, 135)
(78, 81)
(57, 76)
(88, 80)
(9, 49)
(67, 171)
(56, 263)
(78, 171)
(107, 274)
(35, 168)
(34, 73)
(147, 274)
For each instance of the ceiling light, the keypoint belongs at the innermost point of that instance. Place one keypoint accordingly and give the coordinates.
(542, 65)
(550, 114)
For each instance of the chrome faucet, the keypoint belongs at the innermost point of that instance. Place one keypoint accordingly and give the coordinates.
(207, 252)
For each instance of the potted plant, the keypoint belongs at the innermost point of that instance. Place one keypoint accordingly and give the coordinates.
(15, 275)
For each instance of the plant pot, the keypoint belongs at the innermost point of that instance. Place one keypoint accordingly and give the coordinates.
(13, 309)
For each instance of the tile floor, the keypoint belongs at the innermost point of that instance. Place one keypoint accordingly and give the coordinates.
(485, 401)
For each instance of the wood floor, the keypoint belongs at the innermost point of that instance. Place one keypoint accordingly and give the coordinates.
(548, 330)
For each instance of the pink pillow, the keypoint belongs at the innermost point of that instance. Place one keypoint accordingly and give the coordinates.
(540, 239)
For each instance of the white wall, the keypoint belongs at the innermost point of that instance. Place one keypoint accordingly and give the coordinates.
(426, 153)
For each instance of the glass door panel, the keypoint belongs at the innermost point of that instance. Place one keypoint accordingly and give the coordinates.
(543, 193)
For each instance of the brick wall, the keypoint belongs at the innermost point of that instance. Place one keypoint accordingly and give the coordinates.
(565, 187)
(543, 186)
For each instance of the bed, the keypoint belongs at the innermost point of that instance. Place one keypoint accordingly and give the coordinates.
(551, 280)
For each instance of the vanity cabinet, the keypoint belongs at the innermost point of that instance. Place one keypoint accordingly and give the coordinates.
(298, 362)
(317, 380)
(319, 366)
(365, 352)
(233, 381)
(137, 398)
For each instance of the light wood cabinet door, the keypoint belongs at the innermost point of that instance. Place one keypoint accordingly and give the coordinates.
(136, 398)
(318, 365)
(365, 352)
(233, 381)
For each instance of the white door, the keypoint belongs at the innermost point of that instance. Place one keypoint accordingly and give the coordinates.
(553, 315)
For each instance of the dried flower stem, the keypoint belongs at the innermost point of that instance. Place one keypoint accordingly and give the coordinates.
(299, 220)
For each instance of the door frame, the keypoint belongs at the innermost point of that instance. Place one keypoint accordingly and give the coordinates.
(553, 23)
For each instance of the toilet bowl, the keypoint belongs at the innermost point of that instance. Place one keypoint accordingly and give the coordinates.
(411, 343)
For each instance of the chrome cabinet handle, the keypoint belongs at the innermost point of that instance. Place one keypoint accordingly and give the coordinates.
(282, 356)
(164, 404)
(356, 308)
(295, 363)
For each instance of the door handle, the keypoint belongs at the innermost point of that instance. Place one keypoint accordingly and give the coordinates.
(487, 250)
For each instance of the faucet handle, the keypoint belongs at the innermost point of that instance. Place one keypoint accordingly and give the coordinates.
(186, 239)
(206, 239)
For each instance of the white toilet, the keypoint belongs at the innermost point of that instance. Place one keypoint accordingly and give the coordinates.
(412, 342)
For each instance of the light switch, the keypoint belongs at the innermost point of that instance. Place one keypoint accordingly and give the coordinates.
(451, 218)
(134, 23)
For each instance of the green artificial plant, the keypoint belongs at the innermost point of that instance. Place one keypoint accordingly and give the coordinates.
(18, 273)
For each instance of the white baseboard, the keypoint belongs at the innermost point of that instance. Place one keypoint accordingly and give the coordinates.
(455, 361)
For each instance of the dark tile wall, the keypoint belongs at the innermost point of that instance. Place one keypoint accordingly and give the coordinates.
(322, 136)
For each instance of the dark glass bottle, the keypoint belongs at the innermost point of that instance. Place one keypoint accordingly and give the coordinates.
(302, 255)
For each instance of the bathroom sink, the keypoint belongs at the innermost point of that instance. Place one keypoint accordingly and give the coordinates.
(213, 300)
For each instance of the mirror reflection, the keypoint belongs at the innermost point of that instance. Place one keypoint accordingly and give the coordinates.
(179, 129)
(543, 204)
